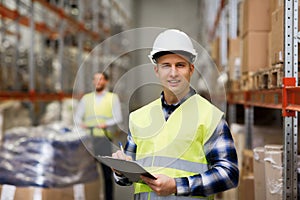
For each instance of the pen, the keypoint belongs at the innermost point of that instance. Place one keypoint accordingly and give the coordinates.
(121, 147)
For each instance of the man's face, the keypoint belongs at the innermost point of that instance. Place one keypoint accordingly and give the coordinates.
(174, 73)
(99, 82)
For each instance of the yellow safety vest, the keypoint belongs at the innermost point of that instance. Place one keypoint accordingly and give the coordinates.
(173, 147)
(98, 113)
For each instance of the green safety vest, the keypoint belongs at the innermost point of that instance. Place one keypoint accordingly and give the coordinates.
(98, 113)
(173, 147)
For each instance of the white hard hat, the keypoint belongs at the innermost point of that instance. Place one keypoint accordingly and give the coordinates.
(173, 41)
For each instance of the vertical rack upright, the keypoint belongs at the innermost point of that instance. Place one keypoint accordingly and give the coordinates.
(290, 117)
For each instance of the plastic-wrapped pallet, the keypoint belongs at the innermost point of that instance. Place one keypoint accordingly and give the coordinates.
(46, 156)
(259, 173)
(273, 171)
(66, 106)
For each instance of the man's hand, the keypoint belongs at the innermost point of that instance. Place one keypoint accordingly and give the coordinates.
(83, 126)
(102, 126)
(120, 155)
(162, 186)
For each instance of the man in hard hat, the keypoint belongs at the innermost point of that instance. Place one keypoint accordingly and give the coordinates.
(99, 111)
(181, 138)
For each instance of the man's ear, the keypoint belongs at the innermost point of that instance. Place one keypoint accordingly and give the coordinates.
(192, 67)
(155, 70)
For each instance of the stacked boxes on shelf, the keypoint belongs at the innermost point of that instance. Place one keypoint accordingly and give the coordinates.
(277, 36)
(254, 34)
(277, 45)
(271, 77)
(261, 31)
(215, 51)
(234, 63)
(261, 38)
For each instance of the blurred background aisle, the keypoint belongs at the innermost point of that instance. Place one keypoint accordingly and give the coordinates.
(50, 49)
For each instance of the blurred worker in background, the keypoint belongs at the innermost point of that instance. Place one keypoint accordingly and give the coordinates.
(181, 138)
(100, 111)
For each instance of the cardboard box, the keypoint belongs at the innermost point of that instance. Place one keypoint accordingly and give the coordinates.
(239, 141)
(234, 49)
(231, 194)
(87, 191)
(234, 58)
(270, 49)
(259, 173)
(276, 4)
(277, 36)
(240, 18)
(257, 16)
(10, 192)
(234, 66)
(261, 134)
(215, 51)
(255, 51)
(246, 188)
(247, 165)
(273, 172)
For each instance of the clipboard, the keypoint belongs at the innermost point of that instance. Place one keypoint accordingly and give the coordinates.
(130, 169)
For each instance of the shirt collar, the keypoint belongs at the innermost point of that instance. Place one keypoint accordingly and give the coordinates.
(165, 104)
(101, 94)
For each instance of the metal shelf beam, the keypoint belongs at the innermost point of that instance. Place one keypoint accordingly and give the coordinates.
(272, 98)
(32, 96)
(74, 23)
(25, 21)
(42, 27)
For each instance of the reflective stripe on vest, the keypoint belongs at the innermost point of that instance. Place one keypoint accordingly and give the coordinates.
(97, 113)
(100, 117)
(174, 163)
(180, 139)
(153, 196)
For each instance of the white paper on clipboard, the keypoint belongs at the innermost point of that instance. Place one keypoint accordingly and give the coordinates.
(132, 170)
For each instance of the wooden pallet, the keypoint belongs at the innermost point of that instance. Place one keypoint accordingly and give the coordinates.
(246, 81)
(269, 78)
(234, 86)
(260, 79)
(275, 76)
(255, 79)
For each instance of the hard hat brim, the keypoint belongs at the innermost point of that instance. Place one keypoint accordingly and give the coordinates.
(190, 57)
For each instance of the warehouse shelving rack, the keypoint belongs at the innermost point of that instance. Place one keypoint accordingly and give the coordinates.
(44, 29)
(68, 24)
(286, 98)
(58, 24)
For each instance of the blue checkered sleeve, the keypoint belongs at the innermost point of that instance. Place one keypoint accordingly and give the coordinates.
(223, 173)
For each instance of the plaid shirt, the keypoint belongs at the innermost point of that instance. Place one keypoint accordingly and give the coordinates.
(221, 156)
